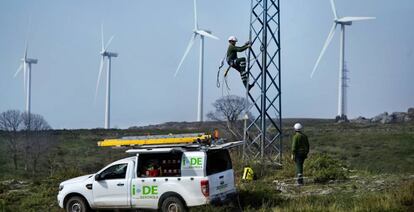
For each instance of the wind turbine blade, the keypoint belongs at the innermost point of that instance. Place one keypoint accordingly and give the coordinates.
(102, 38)
(325, 46)
(349, 19)
(18, 70)
(109, 42)
(25, 51)
(195, 15)
(190, 44)
(99, 76)
(205, 33)
(334, 9)
(26, 45)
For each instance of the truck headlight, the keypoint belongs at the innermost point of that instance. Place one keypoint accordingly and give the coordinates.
(60, 187)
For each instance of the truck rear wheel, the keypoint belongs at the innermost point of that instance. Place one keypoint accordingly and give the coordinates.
(173, 204)
(77, 204)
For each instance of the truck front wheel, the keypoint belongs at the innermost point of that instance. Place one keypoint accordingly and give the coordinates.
(173, 204)
(77, 204)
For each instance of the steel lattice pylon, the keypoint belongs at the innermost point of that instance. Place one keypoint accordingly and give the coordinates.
(263, 132)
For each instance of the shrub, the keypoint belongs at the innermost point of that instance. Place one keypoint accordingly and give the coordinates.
(323, 168)
(65, 174)
(3, 188)
(258, 194)
(2, 205)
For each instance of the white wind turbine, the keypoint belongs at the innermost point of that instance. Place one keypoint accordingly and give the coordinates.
(202, 33)
(342, 21)
(26, 66)
(109, 56)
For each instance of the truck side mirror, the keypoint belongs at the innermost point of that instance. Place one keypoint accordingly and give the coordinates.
(97, 177)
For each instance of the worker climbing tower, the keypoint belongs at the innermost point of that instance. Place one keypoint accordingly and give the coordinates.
(263, 131)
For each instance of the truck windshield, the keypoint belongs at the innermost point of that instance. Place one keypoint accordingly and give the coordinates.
(218, 161)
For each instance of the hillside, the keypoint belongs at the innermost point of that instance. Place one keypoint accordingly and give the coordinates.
(370, 167)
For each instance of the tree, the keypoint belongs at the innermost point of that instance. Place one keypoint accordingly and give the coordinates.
(231, 110)
(10, 123)
(38, 139)
(28, 135)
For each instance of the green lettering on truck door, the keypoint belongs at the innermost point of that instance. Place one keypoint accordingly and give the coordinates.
(193, 162)
(146, 190)
(154, 190)
(149, 192)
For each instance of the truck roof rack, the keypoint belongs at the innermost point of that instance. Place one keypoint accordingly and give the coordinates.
(145, 149)
(155, 141)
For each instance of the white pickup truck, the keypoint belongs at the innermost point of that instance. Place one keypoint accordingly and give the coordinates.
(165, 178)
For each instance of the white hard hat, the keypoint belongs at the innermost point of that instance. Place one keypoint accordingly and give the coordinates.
(297, 127)
(233, 38)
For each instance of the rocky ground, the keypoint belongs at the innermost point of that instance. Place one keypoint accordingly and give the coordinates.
(13, 186)
(386, 118)
(356, 185)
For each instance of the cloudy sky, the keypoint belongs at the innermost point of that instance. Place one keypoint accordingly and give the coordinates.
(151, 36)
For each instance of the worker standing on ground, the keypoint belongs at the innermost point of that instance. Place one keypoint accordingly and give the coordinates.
(238, 63)
(300, 150)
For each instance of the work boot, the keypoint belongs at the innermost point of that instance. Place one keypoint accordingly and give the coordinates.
(250, 86)
(300, 179)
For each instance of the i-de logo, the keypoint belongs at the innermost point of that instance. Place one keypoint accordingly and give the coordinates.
(146, 190)
(135, 190)
(149, 190)
(193, 162)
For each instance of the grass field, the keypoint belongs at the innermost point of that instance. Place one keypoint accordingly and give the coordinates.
(370, 169)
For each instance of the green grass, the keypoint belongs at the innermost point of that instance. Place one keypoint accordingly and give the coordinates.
(371, 147)
(260, 196)
(339, 152)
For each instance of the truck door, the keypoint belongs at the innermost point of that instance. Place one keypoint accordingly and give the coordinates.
(219, 168)
(145, 193)
(154, 172)
(219, 171)
(110, 188)
(145, 188)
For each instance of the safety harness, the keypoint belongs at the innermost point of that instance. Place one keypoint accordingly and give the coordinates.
(244, 74)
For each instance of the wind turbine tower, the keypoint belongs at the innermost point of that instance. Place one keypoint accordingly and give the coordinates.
(202, 33)
(26, 66)
(342, 22)
(106, 54)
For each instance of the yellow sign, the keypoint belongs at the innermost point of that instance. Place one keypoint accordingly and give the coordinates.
(248, 174)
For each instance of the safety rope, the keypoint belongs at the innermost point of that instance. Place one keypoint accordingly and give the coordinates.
(224, 80)
(225, 90)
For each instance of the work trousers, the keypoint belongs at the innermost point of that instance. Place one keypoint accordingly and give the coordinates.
(299, 160)
(240, 65)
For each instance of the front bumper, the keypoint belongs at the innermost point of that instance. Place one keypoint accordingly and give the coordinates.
(60, 200)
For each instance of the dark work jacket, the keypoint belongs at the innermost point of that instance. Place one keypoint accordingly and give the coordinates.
(232, 51)
(300, 144)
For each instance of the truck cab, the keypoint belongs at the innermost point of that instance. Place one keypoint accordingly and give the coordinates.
(169, 178)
